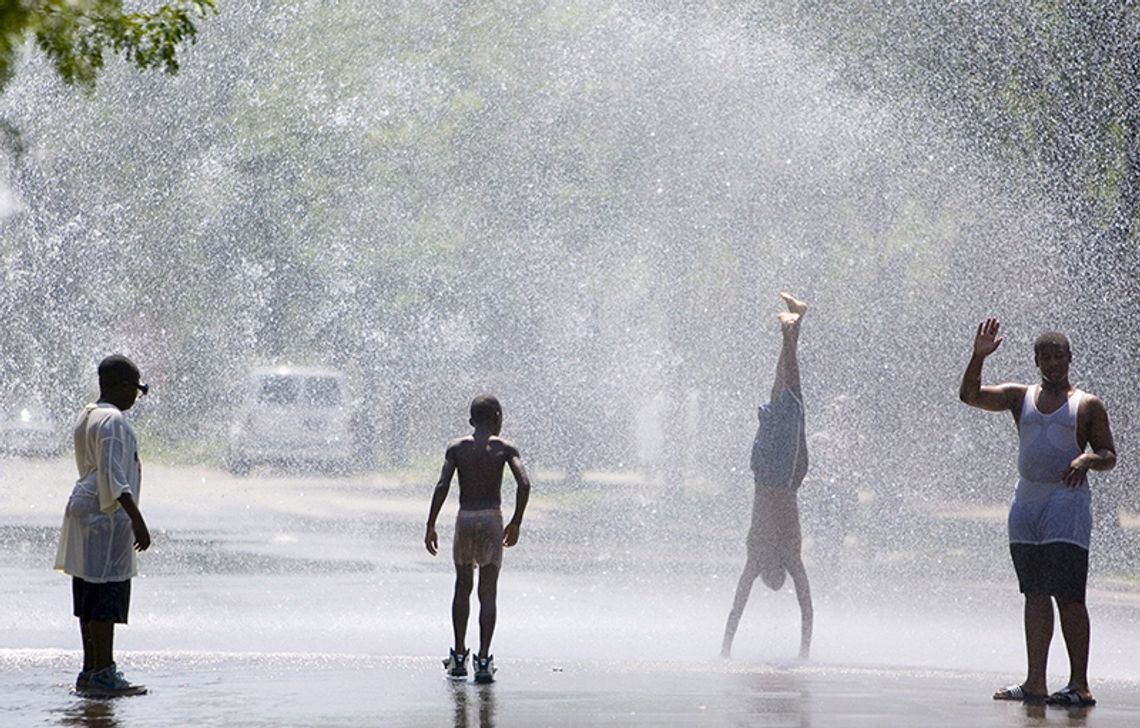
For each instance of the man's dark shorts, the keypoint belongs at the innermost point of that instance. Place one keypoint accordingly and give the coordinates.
(108, 602)
(1058, 569)
(779, 451)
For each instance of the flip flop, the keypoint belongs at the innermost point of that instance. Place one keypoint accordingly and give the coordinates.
(1070, 698)
(1017, 692)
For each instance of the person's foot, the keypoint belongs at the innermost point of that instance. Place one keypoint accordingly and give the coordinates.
(1018, 692)
(1071, 697)
(794, 304)
(485, 669)
(456, 664)
(82, 680)
(110, 683)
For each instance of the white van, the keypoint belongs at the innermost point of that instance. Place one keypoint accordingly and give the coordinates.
(292, 416)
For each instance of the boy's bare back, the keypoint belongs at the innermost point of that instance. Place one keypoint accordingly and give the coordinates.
(480, 460)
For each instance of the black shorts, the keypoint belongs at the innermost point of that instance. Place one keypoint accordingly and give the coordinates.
(1058, 569)
(109, 602)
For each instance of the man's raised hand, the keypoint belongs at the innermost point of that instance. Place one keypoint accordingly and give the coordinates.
(986, 341)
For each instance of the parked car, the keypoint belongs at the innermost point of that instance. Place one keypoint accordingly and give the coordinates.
(293, 417)
(26, 428)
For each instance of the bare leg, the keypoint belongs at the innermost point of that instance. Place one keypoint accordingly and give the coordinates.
(461, 604)
(787, 366)
(488, 609)
(743, 590)
(1075, 628)
(803, 596)
(88, 646)
(1038, 635)
(102, 635)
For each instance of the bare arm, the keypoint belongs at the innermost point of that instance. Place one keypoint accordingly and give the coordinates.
(138, 525)
(438, 496)
(992, 399)
(522, 495)
(1102, 449)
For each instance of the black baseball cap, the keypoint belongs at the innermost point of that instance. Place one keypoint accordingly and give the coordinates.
(118, 369)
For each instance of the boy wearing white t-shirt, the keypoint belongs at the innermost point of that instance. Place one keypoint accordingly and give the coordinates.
(103, 527)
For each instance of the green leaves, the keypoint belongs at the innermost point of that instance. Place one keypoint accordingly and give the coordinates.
(76, 34)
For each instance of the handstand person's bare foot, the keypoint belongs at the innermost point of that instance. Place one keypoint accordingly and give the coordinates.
(789, 322)
(795, 305)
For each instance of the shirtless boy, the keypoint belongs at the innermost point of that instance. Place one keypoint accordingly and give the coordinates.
(1063, 433)
(779, 464)
(479, 533)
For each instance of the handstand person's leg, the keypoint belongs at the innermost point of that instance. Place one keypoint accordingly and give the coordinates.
(461, 604)
(787, 366)
(1075, 629)
(743, 590)
(803, 596)
(488, 609)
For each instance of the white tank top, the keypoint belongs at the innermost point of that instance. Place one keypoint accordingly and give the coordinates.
(1044, 509)
(1048, 442)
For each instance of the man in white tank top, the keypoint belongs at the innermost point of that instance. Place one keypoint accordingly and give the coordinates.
(1063, 433)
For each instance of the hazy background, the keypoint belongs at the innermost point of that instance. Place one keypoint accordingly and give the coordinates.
(588, 209)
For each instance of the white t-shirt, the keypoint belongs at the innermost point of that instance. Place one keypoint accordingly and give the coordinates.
(97, 543)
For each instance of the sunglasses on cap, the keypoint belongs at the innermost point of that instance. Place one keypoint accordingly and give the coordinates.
(143, 388)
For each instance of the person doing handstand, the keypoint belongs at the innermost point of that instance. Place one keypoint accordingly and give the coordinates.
(479, 533)
(779, 464)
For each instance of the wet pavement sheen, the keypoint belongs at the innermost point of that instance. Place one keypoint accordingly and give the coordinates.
(217, 689)
(305, 602)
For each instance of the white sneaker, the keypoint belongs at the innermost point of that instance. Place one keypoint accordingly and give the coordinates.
(456, 664)
(109, 683)
(485, 669)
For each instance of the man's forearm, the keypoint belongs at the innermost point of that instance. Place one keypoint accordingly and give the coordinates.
(1100, 460)
(971, 380)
